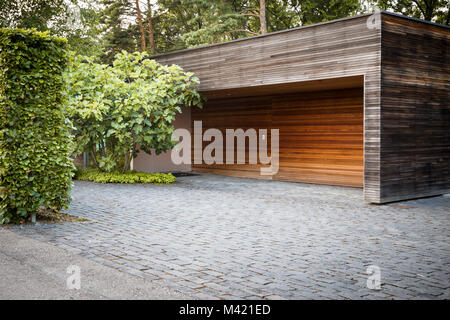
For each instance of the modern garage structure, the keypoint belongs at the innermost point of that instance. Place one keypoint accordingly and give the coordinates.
(361, 102)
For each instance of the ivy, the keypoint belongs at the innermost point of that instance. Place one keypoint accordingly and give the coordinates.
(35, 135)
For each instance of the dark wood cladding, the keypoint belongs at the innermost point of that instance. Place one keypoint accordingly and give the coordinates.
(406, 111)
(320, 134)
(415, 110)
(335, 49)
(340, 48)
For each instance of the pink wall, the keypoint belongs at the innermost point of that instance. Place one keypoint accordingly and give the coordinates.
(163, 162)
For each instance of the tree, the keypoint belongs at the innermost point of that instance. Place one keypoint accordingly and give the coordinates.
(58, 17)
(30, 14)
(141, 26)
(121, 109)
(262, 16)
(431, 10)
(316, 11)
(200, 22)
(119, 31)
(151, 34)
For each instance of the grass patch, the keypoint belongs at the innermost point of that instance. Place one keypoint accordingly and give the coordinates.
(127, 177)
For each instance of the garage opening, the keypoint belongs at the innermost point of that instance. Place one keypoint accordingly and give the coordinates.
(321, 128)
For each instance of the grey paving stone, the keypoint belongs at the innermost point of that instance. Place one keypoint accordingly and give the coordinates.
(254, 239)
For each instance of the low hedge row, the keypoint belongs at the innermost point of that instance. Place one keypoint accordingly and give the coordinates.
(127, 177)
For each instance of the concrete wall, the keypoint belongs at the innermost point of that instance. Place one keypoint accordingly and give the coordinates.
(163, 162)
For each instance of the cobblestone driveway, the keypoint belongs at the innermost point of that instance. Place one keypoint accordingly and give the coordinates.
(220, 237)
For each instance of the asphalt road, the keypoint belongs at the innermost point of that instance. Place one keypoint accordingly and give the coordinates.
(31, 269)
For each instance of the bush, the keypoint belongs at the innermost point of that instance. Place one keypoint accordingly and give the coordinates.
(130, 106)
(127, 177)
(35, 141)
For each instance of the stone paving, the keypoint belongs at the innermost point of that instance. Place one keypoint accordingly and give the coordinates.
(215, 237)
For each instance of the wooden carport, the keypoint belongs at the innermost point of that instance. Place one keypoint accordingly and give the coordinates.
(372, 88)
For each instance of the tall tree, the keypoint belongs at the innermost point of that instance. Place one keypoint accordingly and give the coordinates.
(431, 10)
(262, 16)
(315, 11)
(151, 33)
(141, 26)
(199, 22)
(78, 21)
(119, 28)
(31, 14)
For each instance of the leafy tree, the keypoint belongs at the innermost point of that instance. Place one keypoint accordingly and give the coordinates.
(431, 10)
(120, 31)
(188, 23)
(315, 11)
(57, 16)
(141, 26)
(151, 32)
(31, 13)
(183, 23)
(130, 106)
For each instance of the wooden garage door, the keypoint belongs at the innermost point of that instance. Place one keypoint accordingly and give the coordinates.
(321, 134)
(321, 137)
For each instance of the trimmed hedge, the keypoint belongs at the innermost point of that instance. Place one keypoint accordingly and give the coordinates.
(35, 141)
(127, 177)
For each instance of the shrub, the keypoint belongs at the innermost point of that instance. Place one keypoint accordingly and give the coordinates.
(35, 167)
(130, 106)
(127, 177)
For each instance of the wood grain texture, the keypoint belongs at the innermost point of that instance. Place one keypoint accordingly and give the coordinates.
(321, 137)
(405, 65)
(415, 109)
(320, 134)
(336, 49)
(233, 113)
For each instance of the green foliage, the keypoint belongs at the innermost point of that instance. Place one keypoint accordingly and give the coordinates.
(130, 106)
(30, 14)
(432, 10)
(189, 23)
(35, 168)
(127, 177)
(119, 33)
(78, 21)
(315, 11)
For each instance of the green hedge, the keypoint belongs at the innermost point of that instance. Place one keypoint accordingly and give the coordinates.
(35, 142)
(128, 177)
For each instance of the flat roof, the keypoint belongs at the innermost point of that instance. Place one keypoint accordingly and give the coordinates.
(298, 28)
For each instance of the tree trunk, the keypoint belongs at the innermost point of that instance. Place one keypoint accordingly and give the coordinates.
(262, 16)
(429, 10)
(95, 160)
(151, 35)
(125, 163)
(141, 26)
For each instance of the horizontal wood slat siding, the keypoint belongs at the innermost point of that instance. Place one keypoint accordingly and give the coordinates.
(415, 106)
(321, 137)
(331, 50)
(234, 113)
(336, 49)
(321, 134)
